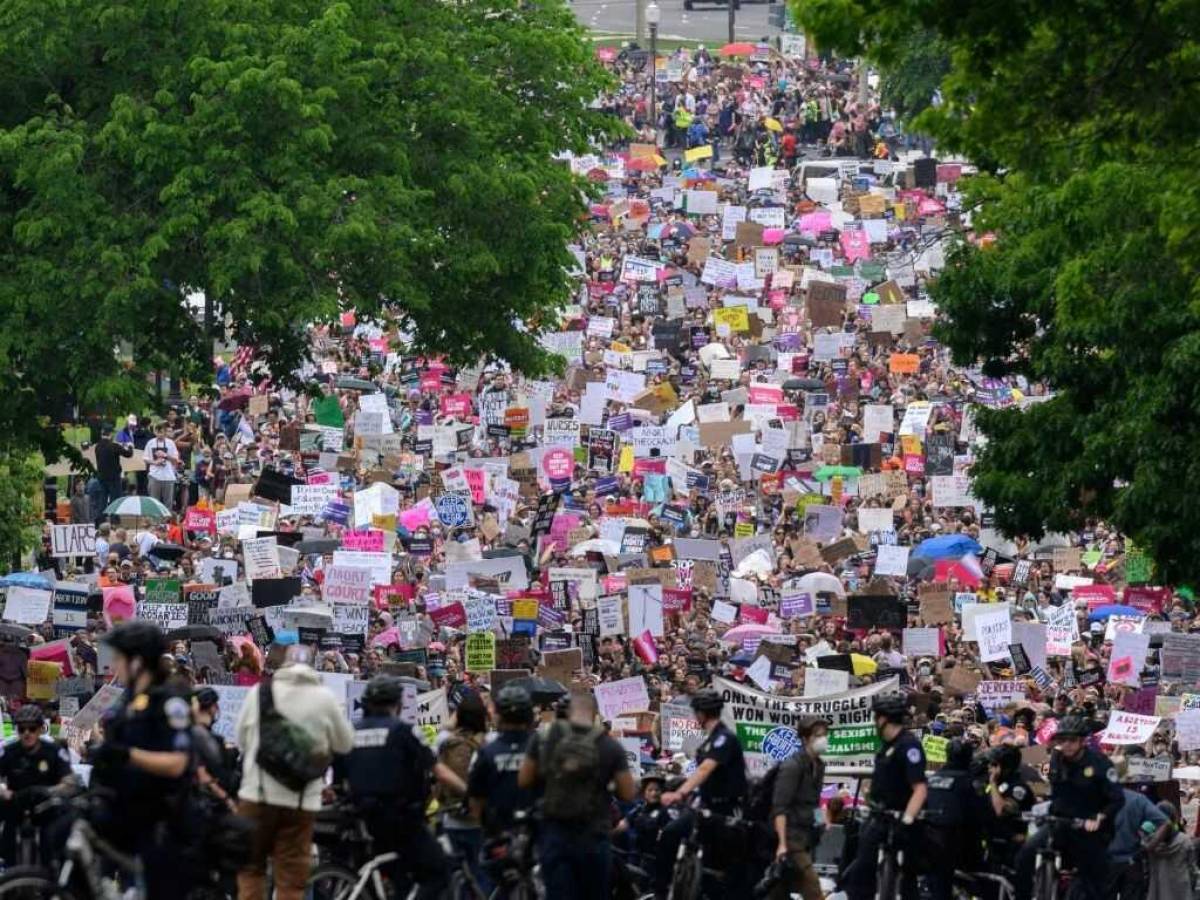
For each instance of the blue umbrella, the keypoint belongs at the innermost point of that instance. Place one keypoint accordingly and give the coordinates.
(26, 579)
(947, 546)
(1100, 613)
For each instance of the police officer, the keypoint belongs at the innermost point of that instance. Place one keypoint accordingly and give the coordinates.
(387, 778)
(720, 778)
(953, 813)
(1083, 785)
(28, 762)
(144, 762)
(897, 785)
(492, 790)
(648, 817)
(1009, 798)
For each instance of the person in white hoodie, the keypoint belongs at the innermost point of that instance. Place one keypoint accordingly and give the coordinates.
(284, 817)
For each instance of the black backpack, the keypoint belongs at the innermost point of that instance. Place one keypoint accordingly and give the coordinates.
(286, 751)
(762, 793)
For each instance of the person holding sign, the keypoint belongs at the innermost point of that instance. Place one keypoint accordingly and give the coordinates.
(1083, 785)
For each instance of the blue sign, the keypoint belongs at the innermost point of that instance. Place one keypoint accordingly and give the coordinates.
(780, 743)
(454, 510)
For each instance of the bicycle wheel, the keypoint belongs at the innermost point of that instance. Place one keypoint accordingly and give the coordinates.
(1045, 881)
(887, 885)
(331, 882)
(685, 880)
(31, 883)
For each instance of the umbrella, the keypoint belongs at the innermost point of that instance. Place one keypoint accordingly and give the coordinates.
(16, 632)
(233, 401)
(318, 546)
(739, 633)
(542, 690)
(826, 472)
(921, 568)
(196, 633)
(742, 658)
(816, 582)
(947, 546)
(772, 124)
(350, 383)
(139, 507)
(1100, 613)
(804, 384)
(736, 49)
(642, 164)
(862, 665)
(164, 550)
(678, 230)
(596, 545)
(26, 579)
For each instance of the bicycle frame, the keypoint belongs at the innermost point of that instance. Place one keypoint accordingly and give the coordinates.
(370, 874)
(85, 849)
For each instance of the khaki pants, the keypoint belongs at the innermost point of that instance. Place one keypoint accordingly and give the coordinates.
(284, 836)
(804, 881)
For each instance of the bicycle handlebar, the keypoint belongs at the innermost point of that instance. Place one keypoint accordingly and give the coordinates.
(1048, 819)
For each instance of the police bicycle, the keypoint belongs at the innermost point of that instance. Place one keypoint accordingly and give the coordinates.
(92, 869)
(691, 878)
(890, 857)
(1050, 882)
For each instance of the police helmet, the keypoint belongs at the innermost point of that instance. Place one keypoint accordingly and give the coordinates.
(959, 754)
(891, 706)
(1073, 726)
(383, 690)
(514, 704)
(138, 640)
(29, 714)
(708, 702)
(1006, 756)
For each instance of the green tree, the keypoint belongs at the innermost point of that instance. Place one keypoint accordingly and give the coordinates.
(288, 158)
(20, 525)
(1080, 118)
(909, 78)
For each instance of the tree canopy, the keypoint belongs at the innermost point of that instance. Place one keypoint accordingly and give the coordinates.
(1081, 119)
(289, 159)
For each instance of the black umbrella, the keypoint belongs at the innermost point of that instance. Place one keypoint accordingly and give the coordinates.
(350, 383)
(542, 690)
(167, 551)
(318, 546)
(196, 633)
(804, 384)
(14, 632)
(920, 567)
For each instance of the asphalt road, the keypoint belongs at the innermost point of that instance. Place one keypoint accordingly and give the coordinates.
(707, 22)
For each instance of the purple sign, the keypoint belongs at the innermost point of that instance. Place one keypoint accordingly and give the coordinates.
(795, 604)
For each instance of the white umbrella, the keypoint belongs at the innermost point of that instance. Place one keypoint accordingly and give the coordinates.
(709, 352)
(816, 582)
(596, 545)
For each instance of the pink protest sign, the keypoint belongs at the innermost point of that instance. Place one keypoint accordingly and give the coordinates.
(558, 464)
(451, 615)
(319, 478)
(196, 519)
(477, 483)
(855, 245)
(755, 614)
(457, 405)
(414, 518)
(370, 540)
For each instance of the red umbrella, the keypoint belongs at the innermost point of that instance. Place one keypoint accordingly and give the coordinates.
(597, 174)
(642, 164)
(737, 49)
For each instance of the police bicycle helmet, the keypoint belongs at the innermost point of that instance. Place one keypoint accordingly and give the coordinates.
(514, 704)
(138, 640)
(29, 714)
(959, 754)
(708, 702)
(1007, 757)
(383, 690)
(1073, 726)
(892, 707)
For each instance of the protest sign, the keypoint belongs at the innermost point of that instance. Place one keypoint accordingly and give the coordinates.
(26, 605)
(481, 651)
(73, 540)
(1128, 728)
(626, 695)
(765, 723)
(260, 558)
(993, 629)
(922, 642)
(167, 616)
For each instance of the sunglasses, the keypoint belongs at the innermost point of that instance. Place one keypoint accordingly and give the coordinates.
(28, 729)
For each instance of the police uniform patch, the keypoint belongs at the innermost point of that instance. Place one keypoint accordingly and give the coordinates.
(179, 714)
(1112, 775)
(1089, 772)
(914, 755)
(720, 741)
(1019, 793)
(43, 766)
(140, 703)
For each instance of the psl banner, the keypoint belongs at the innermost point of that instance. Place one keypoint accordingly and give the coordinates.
(766, 723)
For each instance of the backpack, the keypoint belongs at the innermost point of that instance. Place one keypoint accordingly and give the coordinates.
(569, 760)
(456, 752)
(762, 792)
(286, 751)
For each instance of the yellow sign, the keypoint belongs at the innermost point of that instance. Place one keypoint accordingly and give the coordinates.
(525, 609)
(626, 463)
(481, 651)
(698, 153)
(735, 317)
(40, 678)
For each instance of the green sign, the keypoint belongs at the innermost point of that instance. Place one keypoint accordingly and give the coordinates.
(163, 590)
(935, 748)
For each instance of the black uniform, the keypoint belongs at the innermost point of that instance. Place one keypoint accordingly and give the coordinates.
(148, 813)
(723, 792)
(898, 767)
(1083, 789)
(646, 823)
(387, 775)
(1007, 833)
(954, 827)
(20, 769)
(493, 778)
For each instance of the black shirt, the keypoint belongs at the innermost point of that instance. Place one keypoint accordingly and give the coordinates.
(44, 766)
(1085, 788)
(898, 766)
(108, 458)
(493, 778)
(387, 756)
(725, 788)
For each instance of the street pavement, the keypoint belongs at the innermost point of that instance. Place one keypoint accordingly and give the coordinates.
(707, 22)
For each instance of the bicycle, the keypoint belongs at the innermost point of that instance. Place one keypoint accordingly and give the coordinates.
(510, 862)
(91, 870)
(1048, 874)
(889, 883)
(690, 875)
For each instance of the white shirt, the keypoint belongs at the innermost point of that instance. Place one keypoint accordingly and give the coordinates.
(162, 469)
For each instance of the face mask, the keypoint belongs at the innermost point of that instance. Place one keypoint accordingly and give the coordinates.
(819, 745)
